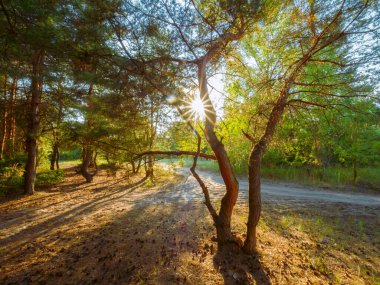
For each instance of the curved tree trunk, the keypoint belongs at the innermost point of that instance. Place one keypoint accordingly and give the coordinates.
(87, 154)
(254, 189)
(34, 123)
(87, 158)
(259, 149)
(223, 224)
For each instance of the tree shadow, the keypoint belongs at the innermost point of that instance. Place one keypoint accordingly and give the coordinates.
(238, 267)
(139, 246)
(32, 232)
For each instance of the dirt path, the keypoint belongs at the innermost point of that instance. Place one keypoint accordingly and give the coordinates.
(125, 230)
(276, 191)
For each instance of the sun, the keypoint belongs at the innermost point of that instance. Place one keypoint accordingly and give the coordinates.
(197, 108)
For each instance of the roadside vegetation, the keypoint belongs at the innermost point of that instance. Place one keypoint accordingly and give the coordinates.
(338, 178)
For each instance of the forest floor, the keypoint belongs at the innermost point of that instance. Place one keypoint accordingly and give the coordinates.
(127, 230)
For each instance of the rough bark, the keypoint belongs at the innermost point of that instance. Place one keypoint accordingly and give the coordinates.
(254, 183)
(223, 224)
(34, 123)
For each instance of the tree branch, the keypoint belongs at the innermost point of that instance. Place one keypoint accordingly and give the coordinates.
(175, 153)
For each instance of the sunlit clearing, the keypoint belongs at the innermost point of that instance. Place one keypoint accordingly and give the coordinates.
(198, 109)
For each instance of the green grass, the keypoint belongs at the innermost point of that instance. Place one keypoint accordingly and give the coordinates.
(329, 176)
(12, 171)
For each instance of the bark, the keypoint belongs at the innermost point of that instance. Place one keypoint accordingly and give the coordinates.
(204, 188)
(11, 121)
(87, 155)
(223, 223)
(93, 162)
(149, 169)
(254, 165)
(3, 120)
(56, 134)
(54, 157)
(138, 166)
(87, 158)
(34, 123)
(57, 159)
(133, 167)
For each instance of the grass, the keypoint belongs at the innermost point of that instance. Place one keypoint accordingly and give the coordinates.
(336, 235)
(11, 176)
(368, 177)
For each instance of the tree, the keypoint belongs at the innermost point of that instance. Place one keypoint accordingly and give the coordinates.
(301, 60)
(197, 36)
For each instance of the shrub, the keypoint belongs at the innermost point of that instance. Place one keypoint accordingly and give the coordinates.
(49, 177)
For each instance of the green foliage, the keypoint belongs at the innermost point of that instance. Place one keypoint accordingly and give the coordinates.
(69, 155)
(49, 178)
(10, 178)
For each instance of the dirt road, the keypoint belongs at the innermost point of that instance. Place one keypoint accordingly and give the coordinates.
(128, 230)
(272, 191)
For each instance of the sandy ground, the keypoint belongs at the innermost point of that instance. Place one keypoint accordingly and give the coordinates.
(120, 230)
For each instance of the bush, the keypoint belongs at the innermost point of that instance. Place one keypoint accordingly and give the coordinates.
(49, 177)
(10, 184)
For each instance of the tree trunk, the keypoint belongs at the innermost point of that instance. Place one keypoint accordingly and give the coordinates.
(136, 168)
(57, 159)
(54, 157)
(138, 165)
(87, 158)
(3, 120)
(133, 167)
(94, 164)
(258, 151)
(223, 224)
(34, 123)
(149, 170)
(254, 189)
(11, 121)
(355, 172)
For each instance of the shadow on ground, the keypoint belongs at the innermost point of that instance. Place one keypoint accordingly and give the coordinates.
(239, 268)
(112, 233)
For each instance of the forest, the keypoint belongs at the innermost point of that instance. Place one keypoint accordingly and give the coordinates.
(189, 142)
